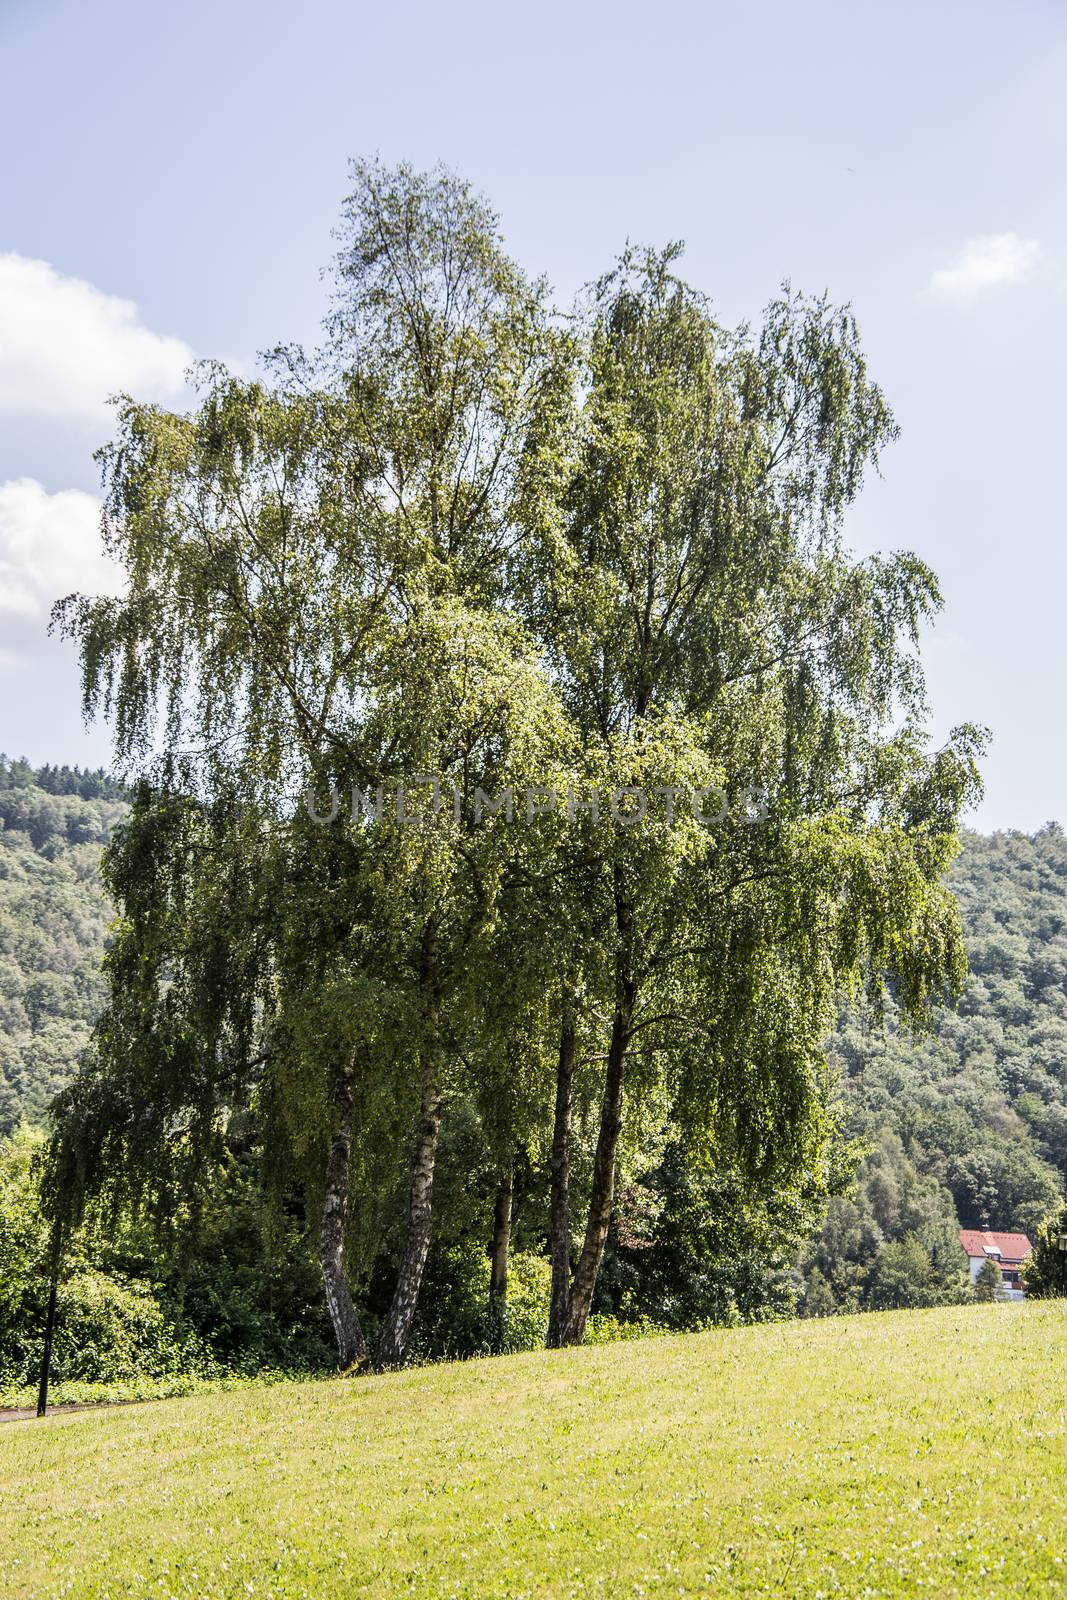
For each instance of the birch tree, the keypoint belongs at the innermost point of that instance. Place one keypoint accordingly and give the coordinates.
(709, 633)
(310, 564)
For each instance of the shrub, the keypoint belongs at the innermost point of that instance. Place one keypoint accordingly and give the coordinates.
(460, 1323)
(111, 1329)
(129, 1316)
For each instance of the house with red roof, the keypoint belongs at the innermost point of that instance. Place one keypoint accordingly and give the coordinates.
(1008, 1250)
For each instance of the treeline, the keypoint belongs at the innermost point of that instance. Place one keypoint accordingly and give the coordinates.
(86, 783)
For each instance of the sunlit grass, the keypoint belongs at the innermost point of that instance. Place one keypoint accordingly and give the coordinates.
(910, 1453)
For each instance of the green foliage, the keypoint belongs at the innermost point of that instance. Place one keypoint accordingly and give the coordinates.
(456, 1319)
(109, 1328)
(966, 1121)
(23, 1253)
(74, 1392)
(461, 545)
(602, 1328)
(54, 917)
(905, 1273)
(1045, 1273)
(694, 1245)
(986, 1085)
(87, 784)
(236, 1294)
(241, 1274)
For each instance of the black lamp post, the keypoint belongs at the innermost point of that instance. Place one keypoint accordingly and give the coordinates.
(50, 1320)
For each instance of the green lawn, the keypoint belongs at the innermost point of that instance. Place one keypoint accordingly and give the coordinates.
(910, 1453)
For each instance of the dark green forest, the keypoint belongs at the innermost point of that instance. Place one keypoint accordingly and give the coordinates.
(964, 1126)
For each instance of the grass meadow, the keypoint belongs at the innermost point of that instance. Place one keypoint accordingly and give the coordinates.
(910, 1453)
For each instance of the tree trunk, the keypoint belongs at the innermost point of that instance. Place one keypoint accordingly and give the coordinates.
(603, 1186)
(559, 1225)
(346, 1329)
(394, 1334)
(498, 1259)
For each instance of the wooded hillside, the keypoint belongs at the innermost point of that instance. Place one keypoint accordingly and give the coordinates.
(53, 923)
(969, 1125)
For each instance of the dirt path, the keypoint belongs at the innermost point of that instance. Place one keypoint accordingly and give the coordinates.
(29, 1413)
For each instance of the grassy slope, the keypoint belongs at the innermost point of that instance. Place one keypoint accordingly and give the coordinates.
(908, 1453)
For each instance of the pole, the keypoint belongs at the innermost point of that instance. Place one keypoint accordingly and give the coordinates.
(50, 1323)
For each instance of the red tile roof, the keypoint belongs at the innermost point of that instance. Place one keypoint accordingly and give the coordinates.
(1013, 1247)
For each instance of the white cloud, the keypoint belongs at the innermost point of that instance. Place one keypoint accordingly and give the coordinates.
(49, 546)
(989, 261)
(65, 346)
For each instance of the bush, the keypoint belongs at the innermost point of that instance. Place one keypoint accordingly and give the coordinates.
(111, 1330)
(461, 1324)
(130, 1317)
(23, 1258)
(529, 1299)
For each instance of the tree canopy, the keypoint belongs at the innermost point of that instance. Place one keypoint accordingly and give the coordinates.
(472, 559)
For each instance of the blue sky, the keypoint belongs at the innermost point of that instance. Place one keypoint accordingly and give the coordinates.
(173, 176)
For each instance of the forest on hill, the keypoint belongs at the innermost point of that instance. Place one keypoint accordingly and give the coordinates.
(54, 822)
(964, 1126)
(968, 1125)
